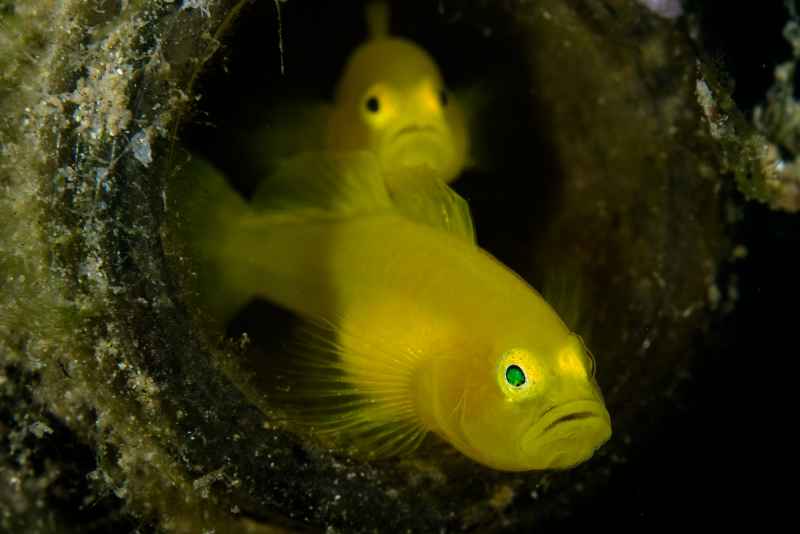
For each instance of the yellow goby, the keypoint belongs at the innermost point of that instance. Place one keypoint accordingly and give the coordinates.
(428, 332)
(391, 99)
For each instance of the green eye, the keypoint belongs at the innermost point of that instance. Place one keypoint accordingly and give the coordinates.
(517, 372)
(515, 376)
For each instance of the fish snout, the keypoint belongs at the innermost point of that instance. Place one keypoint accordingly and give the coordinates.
(419, 144)
(414, 129)
(567, 434)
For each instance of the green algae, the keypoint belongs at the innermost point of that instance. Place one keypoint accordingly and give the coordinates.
(757, 147)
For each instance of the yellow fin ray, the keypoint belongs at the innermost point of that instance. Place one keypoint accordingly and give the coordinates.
(564, 290)
(349, 183)
(430, 201)
(331, 390)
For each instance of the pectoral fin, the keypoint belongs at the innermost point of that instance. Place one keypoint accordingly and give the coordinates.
(430, 201)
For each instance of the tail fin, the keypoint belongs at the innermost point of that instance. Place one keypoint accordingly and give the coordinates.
(205, 211)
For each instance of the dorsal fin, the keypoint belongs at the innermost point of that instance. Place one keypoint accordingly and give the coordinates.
(346, 184)
(377, 15)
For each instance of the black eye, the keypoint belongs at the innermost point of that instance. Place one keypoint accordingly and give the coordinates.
(515, 376)
(373, 105)
(443, 98)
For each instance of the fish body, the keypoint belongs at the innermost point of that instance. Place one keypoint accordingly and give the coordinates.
(429, 333)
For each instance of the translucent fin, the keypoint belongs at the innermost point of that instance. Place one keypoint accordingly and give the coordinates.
(377, 14)
(343, 184)
(564, 290)
(326, 183)
(488, 105)
(476, 103)
(430, 201)
(360, 401)
(290, 127)
(204, 210)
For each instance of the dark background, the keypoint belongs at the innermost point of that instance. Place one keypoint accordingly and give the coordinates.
(722, 457)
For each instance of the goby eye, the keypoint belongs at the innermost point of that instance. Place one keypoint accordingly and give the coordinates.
(515, 376)
(372, 104)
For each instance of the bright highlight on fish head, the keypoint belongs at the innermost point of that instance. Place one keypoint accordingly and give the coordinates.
(392, 101)
(537, 409)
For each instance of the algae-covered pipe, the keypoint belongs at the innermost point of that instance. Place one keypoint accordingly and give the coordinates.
(604, 168)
